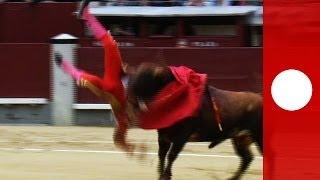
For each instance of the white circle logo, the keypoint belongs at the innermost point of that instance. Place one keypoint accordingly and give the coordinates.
(291, 90)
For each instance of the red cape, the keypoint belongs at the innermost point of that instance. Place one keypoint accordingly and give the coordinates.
(178, 100)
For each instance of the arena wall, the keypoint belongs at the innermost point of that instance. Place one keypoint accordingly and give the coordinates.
(26, 74)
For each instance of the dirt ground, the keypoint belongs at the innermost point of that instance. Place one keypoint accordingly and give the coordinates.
(87, 153)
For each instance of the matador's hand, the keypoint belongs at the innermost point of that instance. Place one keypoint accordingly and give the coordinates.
(82, 82)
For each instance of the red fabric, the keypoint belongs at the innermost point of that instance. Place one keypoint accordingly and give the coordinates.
(178, 100)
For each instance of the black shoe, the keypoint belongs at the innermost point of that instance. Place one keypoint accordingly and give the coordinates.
(58, 58)
(83, 4)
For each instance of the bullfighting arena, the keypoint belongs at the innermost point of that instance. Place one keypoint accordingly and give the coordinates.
(87, 153)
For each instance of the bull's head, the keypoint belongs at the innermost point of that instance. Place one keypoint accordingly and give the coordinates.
(148, 80)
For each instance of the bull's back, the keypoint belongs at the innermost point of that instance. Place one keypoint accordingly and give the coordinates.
(237, 106)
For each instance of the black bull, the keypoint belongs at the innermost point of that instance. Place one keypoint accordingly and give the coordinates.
(240, 114)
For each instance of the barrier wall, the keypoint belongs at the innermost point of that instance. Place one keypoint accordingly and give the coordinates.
(25, 67)
(24, 70)
(26, 23)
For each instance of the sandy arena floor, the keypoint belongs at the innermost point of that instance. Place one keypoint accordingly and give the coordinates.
(87, 153)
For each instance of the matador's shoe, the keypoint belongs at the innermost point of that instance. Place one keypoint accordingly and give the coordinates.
(83, 5)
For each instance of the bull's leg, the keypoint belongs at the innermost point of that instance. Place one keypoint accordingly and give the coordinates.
(256, 129)
(257, 135)
(259, 141)
(178, 136)
(241, 146)
(175, 149)
(216, 142)
(164, 147)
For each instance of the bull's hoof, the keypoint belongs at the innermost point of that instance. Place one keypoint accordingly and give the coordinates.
(165, 177)
(234, 178)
